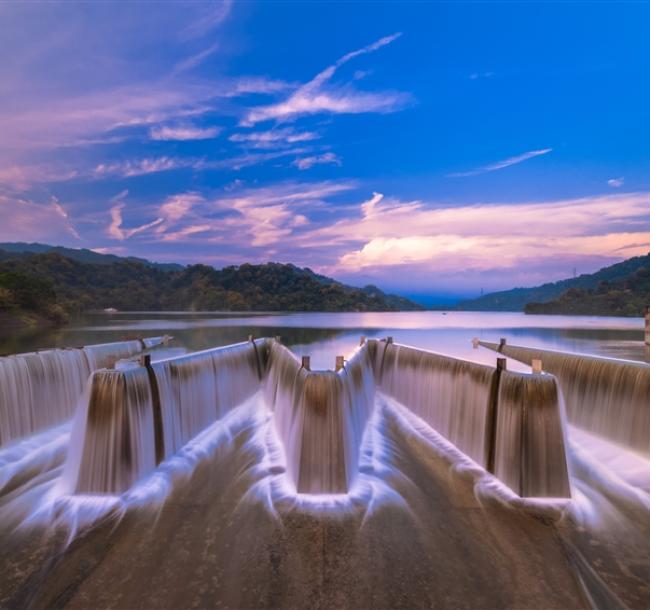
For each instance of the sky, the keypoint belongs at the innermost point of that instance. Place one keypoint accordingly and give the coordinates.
(434, 149)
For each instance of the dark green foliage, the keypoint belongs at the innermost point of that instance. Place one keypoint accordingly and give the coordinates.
(517, 298)
(626, 297)
(131, 285)
(25, 293)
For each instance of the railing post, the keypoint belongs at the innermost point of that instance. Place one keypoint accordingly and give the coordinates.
(502, 343)
(647, 325)
(537, 366)
(475, 343)
(340, 363)
(362, 340)
(306, 363)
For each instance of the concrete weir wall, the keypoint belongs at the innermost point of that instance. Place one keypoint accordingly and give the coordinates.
(606, 396)
(136, 417)
(320, 417)
(510, 423)
(40, 389)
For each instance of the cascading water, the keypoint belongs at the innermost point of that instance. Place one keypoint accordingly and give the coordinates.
(452, 396)
(416, 497)
(40, 389)
(118, 433)
(200, 388)
(320, 417)
(509, 423)
(136, 417)
(530, 452)
(605, 396)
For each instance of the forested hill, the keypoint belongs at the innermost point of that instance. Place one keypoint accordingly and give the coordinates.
(518, 298)
(626, 297)
(73, 286)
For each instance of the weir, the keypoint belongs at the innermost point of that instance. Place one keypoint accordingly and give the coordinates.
(605, 396)
(510, 423)
(41, 389)
(320, 417)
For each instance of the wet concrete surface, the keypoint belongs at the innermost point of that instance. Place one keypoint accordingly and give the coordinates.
(230, 537)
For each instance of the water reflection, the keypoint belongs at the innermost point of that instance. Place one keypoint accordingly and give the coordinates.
(325, 335)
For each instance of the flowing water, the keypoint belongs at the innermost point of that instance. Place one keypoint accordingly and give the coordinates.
(213, 488)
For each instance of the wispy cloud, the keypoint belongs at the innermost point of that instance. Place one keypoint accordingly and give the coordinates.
(254, 158)
(182, 133)
(115, 229)
(270, 215)
(391, 232)
(140, 167)
(214, 14)
(195, 60)
(61, 211)
(503, 164)
(328, 158)
(273, 138)
(314, 98)
(616, 182)
(23, 219)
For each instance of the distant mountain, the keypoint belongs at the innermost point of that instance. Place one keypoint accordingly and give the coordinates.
(517, 298)
(131, 285)
(626, 297)
(82, 255)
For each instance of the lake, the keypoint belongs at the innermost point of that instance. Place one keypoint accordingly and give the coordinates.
(325, 335)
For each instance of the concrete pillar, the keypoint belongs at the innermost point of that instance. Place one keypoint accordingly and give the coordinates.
(537, 365)
(647, 325)
(340, 363)
(306, 363)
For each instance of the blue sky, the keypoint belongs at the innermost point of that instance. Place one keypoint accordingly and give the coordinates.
(430, 148)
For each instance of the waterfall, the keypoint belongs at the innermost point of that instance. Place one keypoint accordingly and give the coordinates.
(452, 396)
(320, 417)
(509, 423)
(198, 389)
(530, 444)
(40, 389)
(118, 432)
(135, 417)
(605, 396)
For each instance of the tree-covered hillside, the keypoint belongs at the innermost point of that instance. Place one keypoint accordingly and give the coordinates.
(627, 297)
(131, 285)
(517, 298)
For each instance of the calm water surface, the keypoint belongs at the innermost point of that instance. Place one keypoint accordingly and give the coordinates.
(325, 335)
